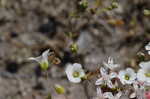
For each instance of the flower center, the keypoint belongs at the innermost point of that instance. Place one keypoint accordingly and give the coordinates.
(147, 74)
(127, 77)
(76, 74)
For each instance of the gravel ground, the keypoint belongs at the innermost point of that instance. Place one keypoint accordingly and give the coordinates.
(28, 27)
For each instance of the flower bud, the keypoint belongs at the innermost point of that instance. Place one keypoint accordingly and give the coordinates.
(59, 89)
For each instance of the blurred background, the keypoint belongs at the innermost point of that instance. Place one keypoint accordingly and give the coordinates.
(29, 27)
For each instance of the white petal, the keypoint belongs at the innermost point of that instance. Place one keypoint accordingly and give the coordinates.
(42, 58)
(69, 70)
(109, 84)
(116, 65)
(108, 95)
(133, 95)
(121, 76)
(147, 47)
(145, 65)
(112, 75)
(74, 80)
(103, 71)
(99, 81)
(116, 84)
(107, 65)
(37, 59)
(110, 60)
(149, 52)
(140, 75)
(135, 85)
(45, 55)
(118, 95)
(130, 71)
(99, 91)
(77, 65)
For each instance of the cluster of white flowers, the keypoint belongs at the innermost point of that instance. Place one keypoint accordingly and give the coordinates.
(137, 82)
(106, 78)
(126, 77)
(129, 77)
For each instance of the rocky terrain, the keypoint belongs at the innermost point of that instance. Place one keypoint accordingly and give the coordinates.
(28, 27)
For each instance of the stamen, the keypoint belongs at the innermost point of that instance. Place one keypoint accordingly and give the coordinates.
(76, 74)
(147, 74)
(127, 77)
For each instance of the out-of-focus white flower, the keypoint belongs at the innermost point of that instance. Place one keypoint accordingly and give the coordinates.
(106, 78)
(42, 60)
(75, 72)
(127, 76)
(143, 74)
(110, 64)
(109, 95)
(147, 47)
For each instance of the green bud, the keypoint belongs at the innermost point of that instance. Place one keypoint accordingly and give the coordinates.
(83, 5)
(74, 47)
(109, 8)
(84, 77)
(146, 12)
(59, 89)
(115, 5)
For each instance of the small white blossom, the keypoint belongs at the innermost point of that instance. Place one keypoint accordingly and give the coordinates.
(42, 60)
(127, 76)
(109, 95)
(143, 74)
(147, 47)
(106, 78)
(110, 64)
(75, 72)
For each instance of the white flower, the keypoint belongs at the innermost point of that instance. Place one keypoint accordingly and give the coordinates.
(147, 47)
(75, 72)
(109, 95)
(42, 60)
(127, 76)
(106, 78)
(110, 64)
(143, 74)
